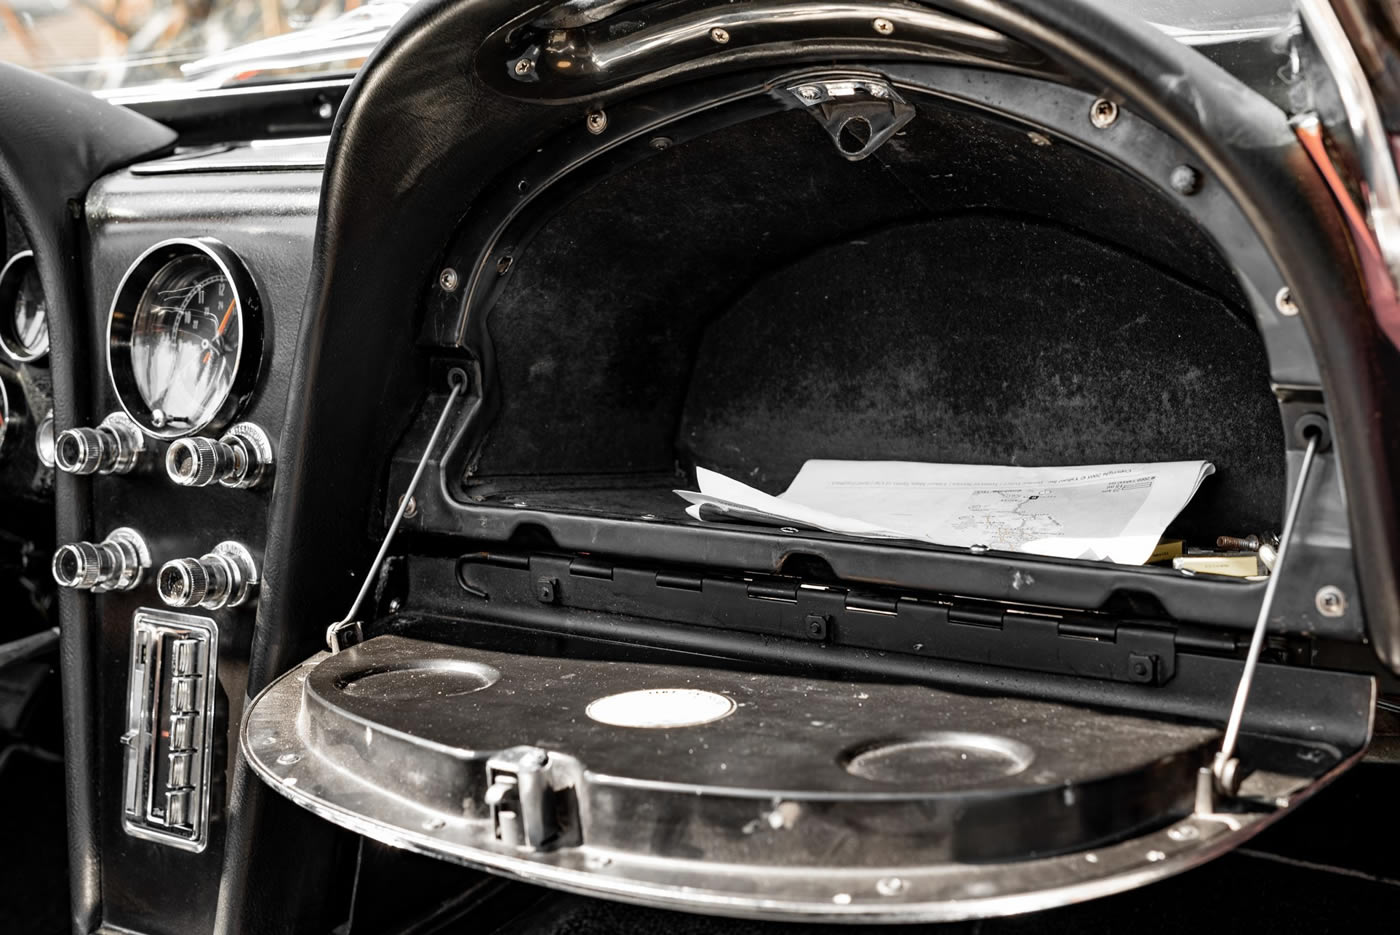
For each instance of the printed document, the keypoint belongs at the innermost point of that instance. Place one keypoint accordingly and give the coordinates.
(1102, 512)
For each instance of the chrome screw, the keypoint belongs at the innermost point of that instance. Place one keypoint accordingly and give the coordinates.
(448, 280)
(1331, 602)
(523, 67)
(411, 510)
(883, 26)
(808, 93)
(597, 122)
(1283, 301)
(719, 35)
(1103, 114)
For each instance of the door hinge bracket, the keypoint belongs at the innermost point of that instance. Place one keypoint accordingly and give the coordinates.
(860, 114)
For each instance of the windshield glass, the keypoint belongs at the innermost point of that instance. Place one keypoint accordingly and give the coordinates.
(114, 44)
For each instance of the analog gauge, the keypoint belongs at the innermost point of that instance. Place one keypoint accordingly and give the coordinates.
(24, 318)
(183, 338)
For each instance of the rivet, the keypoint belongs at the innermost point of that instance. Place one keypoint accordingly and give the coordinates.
(1039, 139)
(1184, 833)
(325, 110)
(1103, 114)
(1185, 180)
(434, 824)
(447, 279)
(1283, 301)
(883, 26)
(889, 886)
(719, 35)
(597, 122)
(1155, 856)
(287, 759)
(659, 143)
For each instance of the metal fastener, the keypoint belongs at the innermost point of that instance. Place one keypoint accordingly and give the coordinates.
(816, 626)
(659, 143)
(597, 122)
(883, 26)
(411, 510)
(546, 589)
(809, 93)
(719, 35)
(503, 265)
(447, 279)
(325, 110)
(1185, 180)
(523, 67)
(1039, 139)
(1331, 602)
(889, 886)
(1103, 114)
(1283, 301)
(1249, 543)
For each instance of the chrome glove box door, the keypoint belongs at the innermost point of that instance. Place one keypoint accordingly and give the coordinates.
(766, 795)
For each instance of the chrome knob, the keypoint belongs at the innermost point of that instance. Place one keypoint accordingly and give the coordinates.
(114, 564)
(240, 459)
(226, 577)
(114, 447)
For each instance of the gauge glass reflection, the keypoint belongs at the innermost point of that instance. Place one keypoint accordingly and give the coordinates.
(24, 313)
(185, 341)
(31, 315)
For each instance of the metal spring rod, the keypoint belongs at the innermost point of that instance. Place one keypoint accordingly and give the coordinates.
(459, 381)
(1224, 767)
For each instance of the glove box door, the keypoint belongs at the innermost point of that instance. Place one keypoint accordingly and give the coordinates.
(763, 793)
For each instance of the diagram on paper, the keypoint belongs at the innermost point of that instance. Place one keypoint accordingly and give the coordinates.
(1008, 519)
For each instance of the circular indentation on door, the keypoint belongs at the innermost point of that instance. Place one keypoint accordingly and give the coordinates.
(938, 760)
(420, 680)
(660, 708)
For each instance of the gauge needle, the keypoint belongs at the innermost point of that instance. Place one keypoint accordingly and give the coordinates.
(228, 313)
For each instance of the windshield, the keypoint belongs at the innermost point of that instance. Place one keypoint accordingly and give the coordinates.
(110, 45)
(114, 44)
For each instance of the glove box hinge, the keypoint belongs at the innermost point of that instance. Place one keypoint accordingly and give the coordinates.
(951, 629)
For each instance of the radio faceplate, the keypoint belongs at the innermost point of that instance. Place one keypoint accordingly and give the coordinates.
(169, 727)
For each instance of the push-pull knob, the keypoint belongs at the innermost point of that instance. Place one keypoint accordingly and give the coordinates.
(242, 458)
(114, 447)
(114, 564)
(226, 577)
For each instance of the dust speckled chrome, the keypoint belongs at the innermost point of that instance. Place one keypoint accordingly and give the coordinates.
(114, 447)
(242, 458)
(117, 563)
(225, 577)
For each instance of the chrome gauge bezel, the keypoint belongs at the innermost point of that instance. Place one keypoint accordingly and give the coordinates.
(10, 276)
(122, 316)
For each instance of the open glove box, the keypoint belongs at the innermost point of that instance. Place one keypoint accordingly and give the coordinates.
(568, 679)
